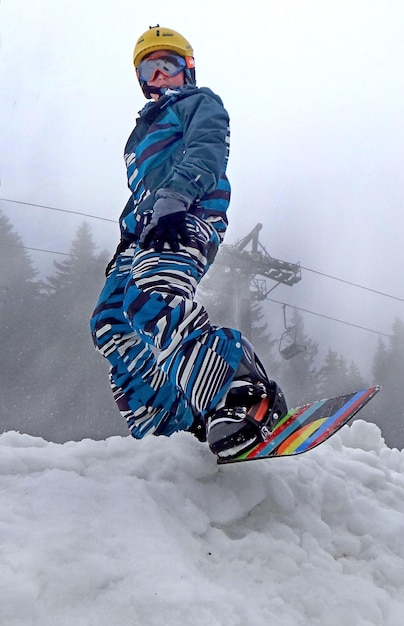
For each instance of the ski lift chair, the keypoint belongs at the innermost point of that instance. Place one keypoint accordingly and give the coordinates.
(288, 346)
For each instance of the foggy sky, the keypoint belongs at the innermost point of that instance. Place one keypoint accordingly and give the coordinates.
(315, 92)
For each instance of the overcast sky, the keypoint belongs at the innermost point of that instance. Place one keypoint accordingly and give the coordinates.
(315, 92)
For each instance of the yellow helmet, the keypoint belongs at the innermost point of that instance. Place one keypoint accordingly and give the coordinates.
(157, 38)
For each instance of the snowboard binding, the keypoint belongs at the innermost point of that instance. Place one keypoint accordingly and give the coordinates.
(251, 407)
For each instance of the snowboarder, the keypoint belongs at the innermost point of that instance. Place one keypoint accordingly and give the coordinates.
(170, 368)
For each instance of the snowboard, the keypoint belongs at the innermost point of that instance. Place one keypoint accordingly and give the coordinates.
(305, 427)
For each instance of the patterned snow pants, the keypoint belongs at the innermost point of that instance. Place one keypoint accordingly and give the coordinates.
(167, 362)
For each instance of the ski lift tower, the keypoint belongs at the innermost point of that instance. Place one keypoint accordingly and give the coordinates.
(249, 270)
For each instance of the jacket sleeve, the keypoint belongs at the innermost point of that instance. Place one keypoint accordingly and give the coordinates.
(205, 124)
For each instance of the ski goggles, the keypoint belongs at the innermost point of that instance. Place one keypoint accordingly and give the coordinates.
(169, 65)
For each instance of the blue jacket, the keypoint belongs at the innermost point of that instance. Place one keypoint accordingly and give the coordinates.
(180, 142)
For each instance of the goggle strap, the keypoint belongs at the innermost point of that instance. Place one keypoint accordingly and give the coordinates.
(190, 62)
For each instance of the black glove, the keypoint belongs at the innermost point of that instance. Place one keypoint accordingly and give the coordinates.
(168, 223)
(170, 229)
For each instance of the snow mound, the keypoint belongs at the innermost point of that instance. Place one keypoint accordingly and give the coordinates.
(154, 533)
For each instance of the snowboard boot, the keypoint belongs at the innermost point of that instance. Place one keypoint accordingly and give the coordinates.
(249, 410)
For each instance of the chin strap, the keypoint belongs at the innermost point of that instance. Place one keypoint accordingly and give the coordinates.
(149, 90)
(159, 90)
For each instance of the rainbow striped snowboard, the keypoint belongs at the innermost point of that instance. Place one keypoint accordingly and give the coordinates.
(307, 426)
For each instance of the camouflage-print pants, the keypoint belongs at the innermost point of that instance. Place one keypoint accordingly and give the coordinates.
(167, 362)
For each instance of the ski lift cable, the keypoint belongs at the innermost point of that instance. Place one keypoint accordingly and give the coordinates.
(52, 208)
(333, 319)
(347, 282)
(14, 245)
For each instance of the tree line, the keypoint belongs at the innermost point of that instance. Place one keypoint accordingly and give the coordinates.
(54, 385)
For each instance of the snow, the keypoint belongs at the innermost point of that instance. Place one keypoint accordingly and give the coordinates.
(153, 533)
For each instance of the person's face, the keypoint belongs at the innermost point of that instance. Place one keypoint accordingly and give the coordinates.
(160, 79)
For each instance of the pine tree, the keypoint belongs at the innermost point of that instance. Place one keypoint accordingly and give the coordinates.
(329, 375)
(388, 371)
(355, 378)
(76, 398)
(396, 365)
(380, 362)
(397, 386)
(336, 376)
(20, 306)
